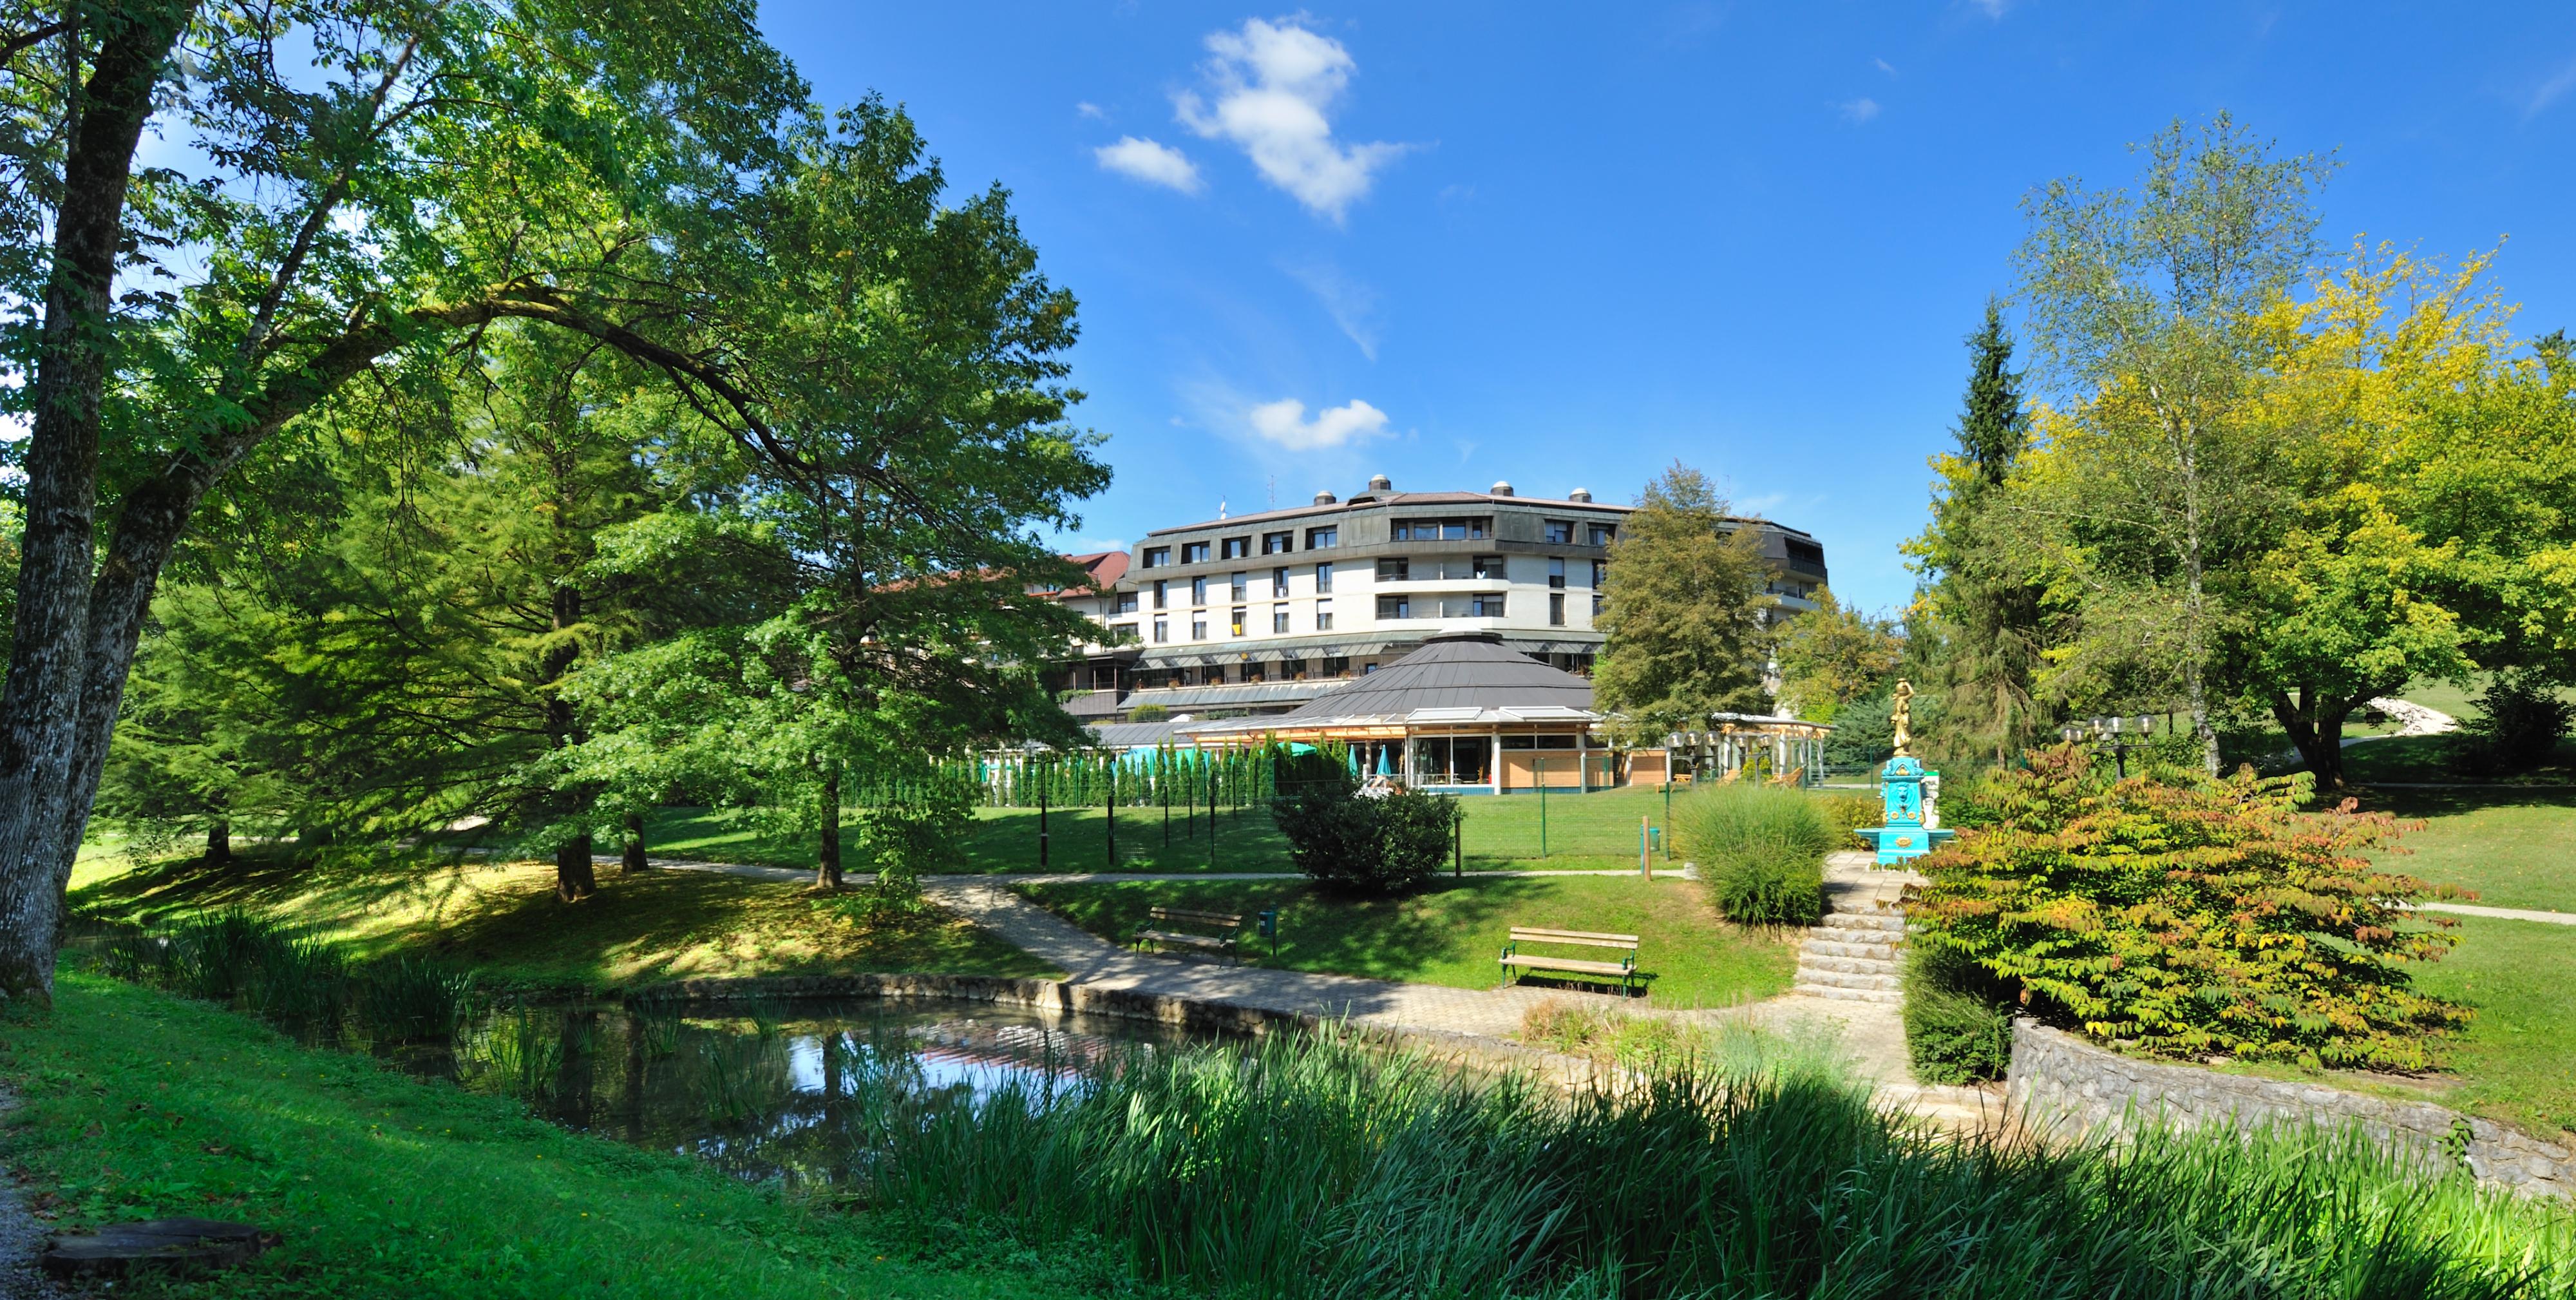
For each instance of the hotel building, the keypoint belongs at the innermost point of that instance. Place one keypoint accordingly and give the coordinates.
(1260, 613)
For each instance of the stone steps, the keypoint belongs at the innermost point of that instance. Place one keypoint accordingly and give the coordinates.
(1848, 995)
(1815, 947)
(1850, 955)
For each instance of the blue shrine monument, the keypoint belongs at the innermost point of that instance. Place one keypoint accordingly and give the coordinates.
(1909, 831)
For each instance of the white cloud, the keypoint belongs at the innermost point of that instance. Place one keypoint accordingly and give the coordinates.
(1273, 86)
(1150, 162)
(2550, 90)
(1351, 304)
(1284, 422)
(1992, 8)
(1091, 110)
(1860, 111)
(1883, 66)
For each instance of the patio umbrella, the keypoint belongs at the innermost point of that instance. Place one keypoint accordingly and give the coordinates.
(1385, 766)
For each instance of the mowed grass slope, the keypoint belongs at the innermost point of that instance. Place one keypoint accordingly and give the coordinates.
(140, 1105)
(2517, 1062)
(1452, 932)
(504, 921)
(2515, 848)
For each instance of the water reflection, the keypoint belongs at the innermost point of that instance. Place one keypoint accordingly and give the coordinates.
(803, 1092)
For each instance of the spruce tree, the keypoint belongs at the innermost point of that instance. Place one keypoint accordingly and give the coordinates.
(1980, 593)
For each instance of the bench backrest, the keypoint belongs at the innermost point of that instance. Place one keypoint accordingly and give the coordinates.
(1226, 919)
(1587, 938)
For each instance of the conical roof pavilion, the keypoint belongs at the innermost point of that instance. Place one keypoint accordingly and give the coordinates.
(1456, 677)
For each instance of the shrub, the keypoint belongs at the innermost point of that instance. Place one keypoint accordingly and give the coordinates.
(1149, 713)
(1958, 1024)
(1845, 813)
(916, 830)
(2207, 916)
(2524, 720)
(1364, 844)
(1760, 849)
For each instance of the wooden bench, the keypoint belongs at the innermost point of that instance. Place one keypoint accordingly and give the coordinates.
(1517, 962)
(1227, 928)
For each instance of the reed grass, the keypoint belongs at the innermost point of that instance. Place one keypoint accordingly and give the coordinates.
(308, 985)
(1330, 1167)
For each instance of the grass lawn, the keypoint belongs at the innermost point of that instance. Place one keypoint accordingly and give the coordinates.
(2515, 848)
(139, 1105)
(503, 921)
(2518, 1060)
(1582, 832)
(1450, 933)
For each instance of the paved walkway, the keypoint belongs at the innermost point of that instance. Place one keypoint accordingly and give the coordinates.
(2505, 913)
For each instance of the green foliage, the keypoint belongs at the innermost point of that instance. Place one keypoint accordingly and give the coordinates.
(1767, 1176)
(1832, 655)
(2195, 918)
(1958, 1023)
(1377, 843)
(1845, 813)
(1864, 733)
(1760, 849)
(1149, 713)
(918, 832)
(2522, 717)
(1683, 612)
(240, 959)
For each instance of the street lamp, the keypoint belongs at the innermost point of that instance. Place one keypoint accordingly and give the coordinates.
(2112, 734)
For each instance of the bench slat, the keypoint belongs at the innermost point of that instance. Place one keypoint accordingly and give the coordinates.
(1577, 937)
(1199, 940)
(1184, 914)
(1567, 963)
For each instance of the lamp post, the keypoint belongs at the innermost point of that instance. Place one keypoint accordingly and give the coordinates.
(2112, 735)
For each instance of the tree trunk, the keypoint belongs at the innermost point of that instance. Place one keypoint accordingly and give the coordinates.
(575, 877)
(2315, 726)
(40, 703)
(219, 842)
(631, 856)
(828, 851)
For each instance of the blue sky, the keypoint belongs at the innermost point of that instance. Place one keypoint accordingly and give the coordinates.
(1567, 245)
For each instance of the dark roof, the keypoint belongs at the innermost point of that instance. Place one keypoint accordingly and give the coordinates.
(1369, 500)
(1103, 570)
(1464, 670)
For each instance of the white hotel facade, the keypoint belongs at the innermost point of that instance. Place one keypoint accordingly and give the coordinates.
(1262, 612)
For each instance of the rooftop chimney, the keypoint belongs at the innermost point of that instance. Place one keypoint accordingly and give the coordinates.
(1324, 498)
(1379, 483)
(1579, 494)
(1502, 489)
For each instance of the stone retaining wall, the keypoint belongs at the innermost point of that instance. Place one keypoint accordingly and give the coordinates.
(1060, 996)
(2059, 1079)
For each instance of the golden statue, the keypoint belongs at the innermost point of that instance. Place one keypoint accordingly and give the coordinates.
(1903, 717)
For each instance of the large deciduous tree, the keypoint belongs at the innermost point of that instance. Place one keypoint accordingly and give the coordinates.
(1685, 611)
(2147, 305)
(432, 167)
(1832, 655)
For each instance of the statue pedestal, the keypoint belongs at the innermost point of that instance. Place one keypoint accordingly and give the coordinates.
(1907, 833)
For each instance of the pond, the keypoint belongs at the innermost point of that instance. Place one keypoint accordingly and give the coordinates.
(799, 1091)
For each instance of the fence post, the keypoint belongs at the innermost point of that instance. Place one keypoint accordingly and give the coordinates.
(1111, 808)
(1163, 783)
(1042, 826)
(1668, 807)
(1211, 817)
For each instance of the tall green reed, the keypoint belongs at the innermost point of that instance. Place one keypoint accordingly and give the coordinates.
(1330, 1167)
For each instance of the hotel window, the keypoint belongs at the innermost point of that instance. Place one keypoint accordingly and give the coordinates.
(1394, 569)
(1319, 538)
(1162, 631)
(1255, 671)
(1556, 609)
(1596, 605)
(1237, 624)
(1323, 616)
(1600, 573)
(1485, 606)
(1323, 578)
(1279, 584)
(1556, 573)
(1157, 556)
(1239, 585)
(1279, 620)
(1440, 530)
(1237, 547)
(1194, 552)
(1488, 566)
(1162, 593)
(1600, 534)
(1122, 631)
(1278, 543)
(1126, 602)
(1198, 627)
(1395, 607)
(1560, 532)
(1337, 666)
(1198, 590)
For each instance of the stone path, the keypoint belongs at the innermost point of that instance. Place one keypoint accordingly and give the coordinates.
(1850, 955)
(2505, 913)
